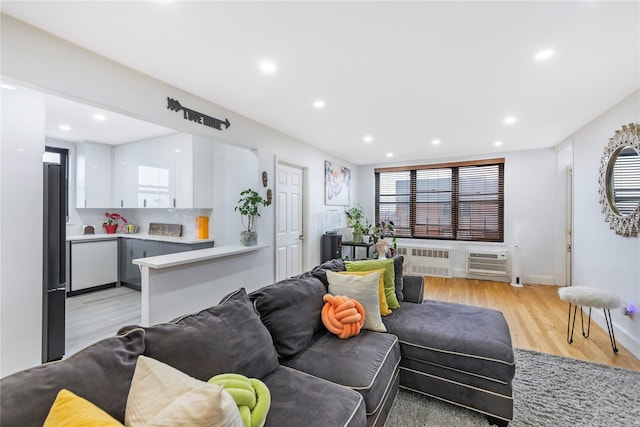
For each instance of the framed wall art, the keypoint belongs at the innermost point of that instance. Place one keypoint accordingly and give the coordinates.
(337, 181)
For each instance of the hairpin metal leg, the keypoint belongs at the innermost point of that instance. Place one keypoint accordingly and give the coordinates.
(612, 337)
(588, 326)
(571, 326)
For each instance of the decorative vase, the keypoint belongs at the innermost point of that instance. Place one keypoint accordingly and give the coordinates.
(110, 228)
(381, 249)
(248, 238)
(357, 237)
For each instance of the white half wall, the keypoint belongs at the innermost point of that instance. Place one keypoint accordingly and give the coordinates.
(530, 193)
(21, 230)
(602, 259)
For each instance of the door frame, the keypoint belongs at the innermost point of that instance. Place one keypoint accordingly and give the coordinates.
(305, 210)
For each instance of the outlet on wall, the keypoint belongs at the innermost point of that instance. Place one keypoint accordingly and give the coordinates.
(628, 309)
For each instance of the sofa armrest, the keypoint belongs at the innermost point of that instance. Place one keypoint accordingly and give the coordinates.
(413, 288)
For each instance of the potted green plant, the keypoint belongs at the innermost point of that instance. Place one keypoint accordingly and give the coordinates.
(382, 230)
(356, 219)
(248, 206)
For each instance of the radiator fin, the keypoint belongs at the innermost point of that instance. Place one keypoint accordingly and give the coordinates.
(427, 261)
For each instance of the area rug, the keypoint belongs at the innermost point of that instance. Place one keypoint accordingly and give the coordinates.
(548, 390)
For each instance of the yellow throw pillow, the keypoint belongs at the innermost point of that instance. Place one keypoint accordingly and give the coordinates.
(162, 396)
(389, 276)
(70, 410)
(384, 307)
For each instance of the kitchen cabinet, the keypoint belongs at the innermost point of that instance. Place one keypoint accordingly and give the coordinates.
(92, 264)
(131, 249)
(172, 171)
(94, 169)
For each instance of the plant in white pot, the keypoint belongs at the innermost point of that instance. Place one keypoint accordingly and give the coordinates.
(248, 206)
(357, 220)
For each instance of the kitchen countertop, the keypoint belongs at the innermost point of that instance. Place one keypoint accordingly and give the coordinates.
(182, 258)
(140, 236)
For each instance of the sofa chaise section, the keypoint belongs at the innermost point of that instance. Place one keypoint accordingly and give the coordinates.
(457, 353)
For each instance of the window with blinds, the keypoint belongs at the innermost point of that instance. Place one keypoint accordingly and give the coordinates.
(453, 201)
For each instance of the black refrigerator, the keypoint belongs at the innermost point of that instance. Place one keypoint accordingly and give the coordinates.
(53, 272)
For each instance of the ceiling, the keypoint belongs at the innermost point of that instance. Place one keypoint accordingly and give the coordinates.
(107, 128)
(403, 73)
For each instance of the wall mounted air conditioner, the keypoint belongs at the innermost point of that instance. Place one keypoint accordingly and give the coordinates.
(492, 263)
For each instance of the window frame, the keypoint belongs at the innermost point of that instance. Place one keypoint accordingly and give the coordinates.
(495, 199)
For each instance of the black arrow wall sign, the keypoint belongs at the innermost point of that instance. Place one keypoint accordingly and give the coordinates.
(194, 116)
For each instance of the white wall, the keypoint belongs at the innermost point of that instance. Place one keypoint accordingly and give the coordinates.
(602, 259)
(38, 60)
(530, 192)
(21, 230)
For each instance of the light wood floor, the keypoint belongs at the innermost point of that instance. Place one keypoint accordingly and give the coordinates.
(536, 316)
(97, 315)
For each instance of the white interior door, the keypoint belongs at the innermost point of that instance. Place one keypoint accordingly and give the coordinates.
(289, 224)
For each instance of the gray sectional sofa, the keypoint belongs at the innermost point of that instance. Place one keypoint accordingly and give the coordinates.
(453, 352)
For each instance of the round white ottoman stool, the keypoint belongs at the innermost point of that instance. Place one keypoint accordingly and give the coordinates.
(582, 296)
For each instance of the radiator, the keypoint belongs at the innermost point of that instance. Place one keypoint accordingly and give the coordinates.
(427, 261)
(490, 263)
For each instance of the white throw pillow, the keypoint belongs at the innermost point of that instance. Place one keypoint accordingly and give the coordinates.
(363, 289)
(160, 396)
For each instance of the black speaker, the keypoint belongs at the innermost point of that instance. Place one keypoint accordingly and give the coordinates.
(331, 246)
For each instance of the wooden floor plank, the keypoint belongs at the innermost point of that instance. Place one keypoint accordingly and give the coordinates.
(537, 318)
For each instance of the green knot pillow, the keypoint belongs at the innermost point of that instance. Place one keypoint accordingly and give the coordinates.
(250, 394)
(389, 276)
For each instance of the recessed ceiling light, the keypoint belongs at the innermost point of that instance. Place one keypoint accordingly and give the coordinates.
(510, 120)
(435, 142)
(319, 104)
(545, 54)
(99, 117)
(368, 138)
(497, 143)
(177, 150)
(64, 127)
(389, 154)
(8, 87)
(268, 67)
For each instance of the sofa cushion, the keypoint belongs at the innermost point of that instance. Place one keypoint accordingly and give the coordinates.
(71, 410)
(363, 289)
(290, 309)
(228, 337)
(162, 396)
(389, 276)
(365, 363)
(469, 339)
(398, 277)
(331, 265)
(101, 374)
(300, 399)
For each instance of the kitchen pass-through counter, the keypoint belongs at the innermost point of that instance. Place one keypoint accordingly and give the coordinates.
(140, 236)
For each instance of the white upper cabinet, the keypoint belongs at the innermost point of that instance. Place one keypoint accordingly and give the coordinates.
(94, 169)
(173, 171)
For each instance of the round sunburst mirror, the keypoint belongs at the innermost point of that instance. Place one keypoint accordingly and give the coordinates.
(619, 181)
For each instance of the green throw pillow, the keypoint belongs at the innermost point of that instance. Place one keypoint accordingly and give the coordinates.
(389, 276)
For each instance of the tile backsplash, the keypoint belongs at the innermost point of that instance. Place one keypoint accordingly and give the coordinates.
(142, 218)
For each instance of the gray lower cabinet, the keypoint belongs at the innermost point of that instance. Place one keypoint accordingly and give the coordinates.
(131, 249)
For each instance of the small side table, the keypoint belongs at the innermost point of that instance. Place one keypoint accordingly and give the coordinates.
(355, 245)
(589, 297)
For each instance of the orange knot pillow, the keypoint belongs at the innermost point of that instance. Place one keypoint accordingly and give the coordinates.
(342, 316)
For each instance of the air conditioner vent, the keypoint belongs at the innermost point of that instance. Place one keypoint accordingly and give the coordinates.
(489, 263)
